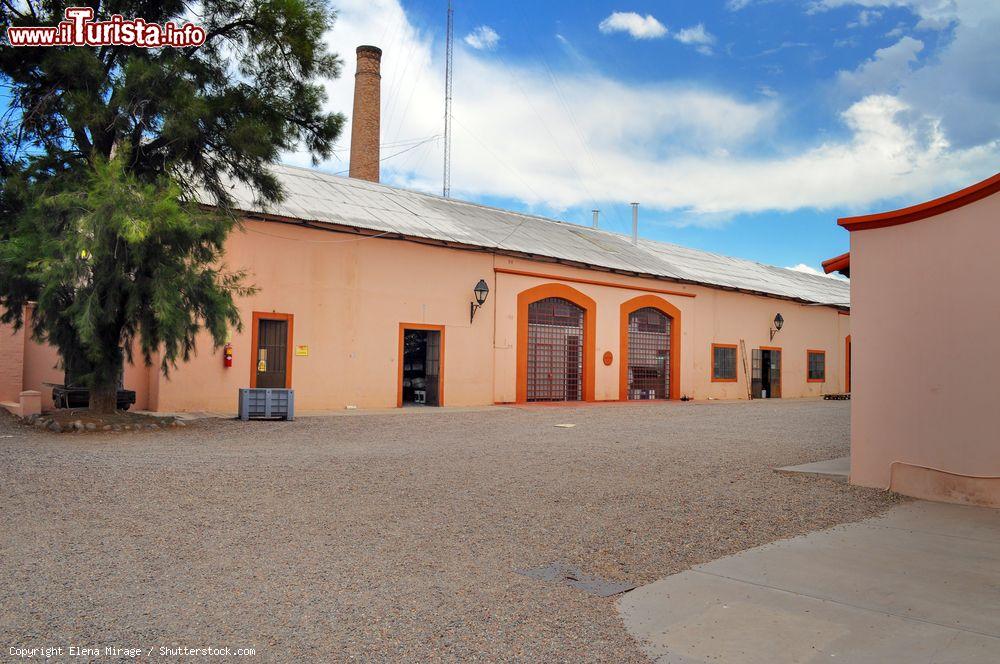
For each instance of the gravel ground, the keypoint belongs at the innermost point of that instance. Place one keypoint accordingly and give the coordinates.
(393, 536)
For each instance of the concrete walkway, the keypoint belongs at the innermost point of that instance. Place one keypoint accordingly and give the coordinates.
(918, 584)
(834, 469)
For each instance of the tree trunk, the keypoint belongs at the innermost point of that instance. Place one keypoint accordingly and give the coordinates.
(103, 399)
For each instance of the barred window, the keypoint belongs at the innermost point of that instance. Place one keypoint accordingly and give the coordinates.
(723, 362)
(816, 362)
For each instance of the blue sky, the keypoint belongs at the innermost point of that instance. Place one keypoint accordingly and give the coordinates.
(744, 127)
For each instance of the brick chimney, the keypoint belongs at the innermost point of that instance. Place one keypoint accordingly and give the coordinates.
(365, 125)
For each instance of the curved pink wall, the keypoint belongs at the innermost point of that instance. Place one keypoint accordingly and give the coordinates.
(926, 325)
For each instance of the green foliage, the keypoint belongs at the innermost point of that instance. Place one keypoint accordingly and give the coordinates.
(103, 150)
(119, 261)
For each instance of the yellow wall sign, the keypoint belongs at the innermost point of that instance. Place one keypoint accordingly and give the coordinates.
(262, 366)
(302, 350)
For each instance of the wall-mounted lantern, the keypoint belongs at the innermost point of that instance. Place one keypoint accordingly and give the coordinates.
(481, 290)
(778, 322)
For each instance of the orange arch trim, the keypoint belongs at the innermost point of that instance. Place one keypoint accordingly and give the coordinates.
(674, 313)
(525, 298)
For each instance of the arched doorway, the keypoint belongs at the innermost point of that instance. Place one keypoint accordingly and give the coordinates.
(648, 354)
(555, 345)
(555, 350)
(650, 349)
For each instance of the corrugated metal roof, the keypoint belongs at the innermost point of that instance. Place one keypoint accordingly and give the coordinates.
(322, 198)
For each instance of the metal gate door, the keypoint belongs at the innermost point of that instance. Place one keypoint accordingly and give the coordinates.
(756, 379)
(272, 352)
(555, 350)
(432, 367)
(648, 354)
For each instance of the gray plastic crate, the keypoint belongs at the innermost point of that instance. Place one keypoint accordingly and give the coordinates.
(258, 403)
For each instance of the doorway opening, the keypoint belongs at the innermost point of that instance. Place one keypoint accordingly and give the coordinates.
(766, 379)
(420, 364)
(648, 354)
(272, 350)
(555, 350)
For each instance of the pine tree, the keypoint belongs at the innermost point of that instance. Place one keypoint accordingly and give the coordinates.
(102, 151)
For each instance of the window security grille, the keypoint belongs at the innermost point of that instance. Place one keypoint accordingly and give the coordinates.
(724, 363)
(817, 366)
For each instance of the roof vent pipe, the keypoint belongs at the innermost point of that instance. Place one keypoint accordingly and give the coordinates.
(635, 223)
(596, 212)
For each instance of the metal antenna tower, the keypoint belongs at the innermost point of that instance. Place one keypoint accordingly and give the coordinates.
(449, 50)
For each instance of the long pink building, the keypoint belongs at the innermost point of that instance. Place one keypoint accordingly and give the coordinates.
(926, 321)
(369, 296)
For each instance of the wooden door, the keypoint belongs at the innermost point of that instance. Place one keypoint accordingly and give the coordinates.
(271, 353)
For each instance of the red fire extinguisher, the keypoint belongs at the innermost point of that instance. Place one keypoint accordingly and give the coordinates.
(228, 355)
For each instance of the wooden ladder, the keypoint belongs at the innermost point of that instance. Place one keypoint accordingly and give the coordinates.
(746, 369)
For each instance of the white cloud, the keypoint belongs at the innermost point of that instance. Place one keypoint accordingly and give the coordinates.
(696, 36)
(958, 83)
(934, 14)
(897, 32)
(865, 18)
(885, 70)
(640, 27)
(483, 38)
(808, 269)
(558, 138)
(736, 5)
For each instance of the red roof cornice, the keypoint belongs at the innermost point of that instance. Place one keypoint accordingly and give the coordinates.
(937, 206)
(837, 263)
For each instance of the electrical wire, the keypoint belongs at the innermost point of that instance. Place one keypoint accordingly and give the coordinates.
(412, 147)
(295, 239)
(396, 144)
(497, 157)
(544, 125)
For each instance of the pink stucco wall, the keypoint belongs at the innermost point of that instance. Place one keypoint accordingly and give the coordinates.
(39, 367)
(11, 363)
(712, 316)
(349, 294)
(926, 323)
